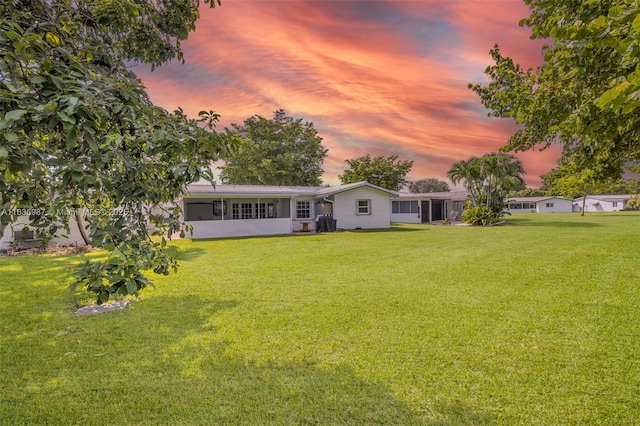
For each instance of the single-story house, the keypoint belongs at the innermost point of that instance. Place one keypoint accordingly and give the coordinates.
(539, 205)
(601, 203)
(245, 210)
(427, 207)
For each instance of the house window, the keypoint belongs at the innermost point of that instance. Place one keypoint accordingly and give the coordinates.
(549, 205)
(245, 211)
(615, 203)
(241, 211)
(303, 210)
(363, 206)
(219, 208)
(23, 235)
(261, 209)
(404, 207)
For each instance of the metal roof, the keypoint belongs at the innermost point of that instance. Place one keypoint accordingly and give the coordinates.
(251, 190)
(272, 190)
(535, 199)
(607, 197)
(449, 195)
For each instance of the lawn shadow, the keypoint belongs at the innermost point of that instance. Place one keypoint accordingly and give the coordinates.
(249, 387)
(190, 253)
(554, 224)
(163, 361)
(393, 229)
(262, 386)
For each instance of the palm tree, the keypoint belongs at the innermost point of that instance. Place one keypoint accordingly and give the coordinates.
(469, 174)
(487, 177)
(503, 172)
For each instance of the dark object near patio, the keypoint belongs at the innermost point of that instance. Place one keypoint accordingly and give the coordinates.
(326, 223)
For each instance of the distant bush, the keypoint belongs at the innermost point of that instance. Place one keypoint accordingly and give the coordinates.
(633, 203)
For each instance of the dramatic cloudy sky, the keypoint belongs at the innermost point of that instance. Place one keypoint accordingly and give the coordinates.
(375, 77)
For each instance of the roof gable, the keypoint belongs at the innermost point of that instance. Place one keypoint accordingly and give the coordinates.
(332, 190)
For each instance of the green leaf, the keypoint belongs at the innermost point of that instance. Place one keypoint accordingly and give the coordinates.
(11, 87)
(636, 24)
(598, 23)
(3, 152)
(92, 144)
(58, 82)
(15, 115)
(38, 79)
(132, 286)
(66, 118)
(630, 107)
(73, 104)
(72, 138)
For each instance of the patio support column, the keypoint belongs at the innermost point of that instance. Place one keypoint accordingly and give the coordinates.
(292, 210)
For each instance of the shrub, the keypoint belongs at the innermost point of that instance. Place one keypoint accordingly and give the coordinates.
(480, 215)
(633, 203)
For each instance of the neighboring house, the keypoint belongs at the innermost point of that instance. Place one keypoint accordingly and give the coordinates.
(246, 210)
(539, 205)
(427, 207)
(601, 203)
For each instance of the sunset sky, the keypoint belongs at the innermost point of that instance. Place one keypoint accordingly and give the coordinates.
(374, 77)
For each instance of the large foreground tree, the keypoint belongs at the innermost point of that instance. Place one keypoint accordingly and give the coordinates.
(385, 172)
(277, 151)
(586, 95)
(78, 133)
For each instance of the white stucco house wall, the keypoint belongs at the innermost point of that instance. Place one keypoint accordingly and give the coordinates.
(359, 205)
(13, 236)
(539, 205)
(249, 210)
(601, 203)
(427, 207)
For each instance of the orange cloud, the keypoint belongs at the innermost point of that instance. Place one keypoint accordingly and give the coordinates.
(375, 77)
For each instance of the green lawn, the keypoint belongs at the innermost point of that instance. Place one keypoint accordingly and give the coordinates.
(534, 322)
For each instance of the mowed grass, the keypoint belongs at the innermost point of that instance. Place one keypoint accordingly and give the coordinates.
(533, 322)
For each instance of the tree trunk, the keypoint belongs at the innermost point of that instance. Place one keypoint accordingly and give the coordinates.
(584, 202)
(81, 228)
(3, 226)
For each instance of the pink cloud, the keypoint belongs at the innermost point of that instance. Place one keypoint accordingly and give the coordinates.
(383, 78)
